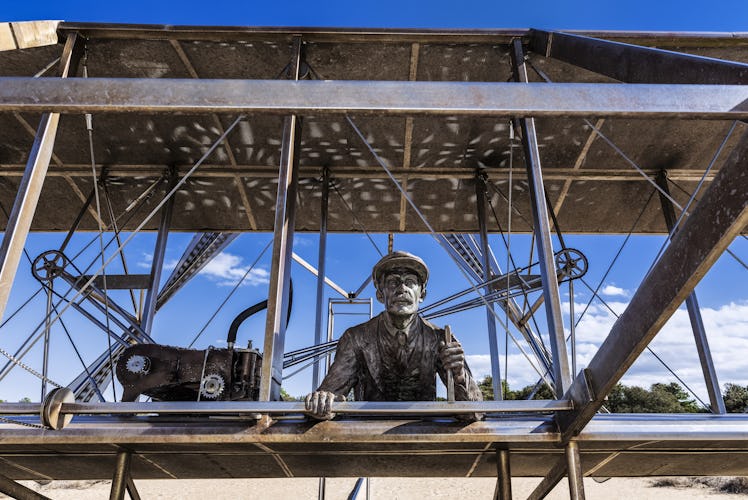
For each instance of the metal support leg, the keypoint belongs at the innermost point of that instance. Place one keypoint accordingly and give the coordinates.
(280, 272)
(493, 348)
(121, 475)
(321, 271)
(30, 188)
(551, 294)
(321, 489)
(574, 471)
(694, 313)
(504, 482)
(19, 491)
(149, 309)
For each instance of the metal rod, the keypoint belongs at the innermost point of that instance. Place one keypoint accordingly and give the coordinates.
(321, 260)
(574, 471)
(561, 375)
(121, 475)
(47, 329)
(493, 344)
(155, 95)
(30, 187)
(694, 313)
(306, 265)
(18, 491)
(157, 266)
(280, 271)
(278, 407)
(504, 481)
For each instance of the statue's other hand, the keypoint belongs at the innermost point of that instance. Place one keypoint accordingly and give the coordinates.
(453, 358)
(319, 404)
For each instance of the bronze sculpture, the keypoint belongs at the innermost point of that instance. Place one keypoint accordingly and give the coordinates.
(396, 355)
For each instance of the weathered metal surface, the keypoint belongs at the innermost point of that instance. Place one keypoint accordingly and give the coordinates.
(720, 215)
(195, 447)
(635, 64)
(97, 95)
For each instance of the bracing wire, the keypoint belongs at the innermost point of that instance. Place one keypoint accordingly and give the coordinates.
(230, 294)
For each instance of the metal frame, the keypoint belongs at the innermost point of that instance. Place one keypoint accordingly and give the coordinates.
(714, 90)
(280, 276)
(542, 224)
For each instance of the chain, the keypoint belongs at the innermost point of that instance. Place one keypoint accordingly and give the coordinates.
(35, 373)
(25, 424)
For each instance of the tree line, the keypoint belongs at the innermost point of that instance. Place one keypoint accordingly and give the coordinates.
(659, 398)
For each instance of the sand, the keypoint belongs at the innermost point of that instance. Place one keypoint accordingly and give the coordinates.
(379, 488)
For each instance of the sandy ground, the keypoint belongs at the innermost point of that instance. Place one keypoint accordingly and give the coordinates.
(379, 488)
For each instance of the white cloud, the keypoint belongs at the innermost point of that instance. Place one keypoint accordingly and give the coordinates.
(614, 291)
(727, 333)
(227, 269)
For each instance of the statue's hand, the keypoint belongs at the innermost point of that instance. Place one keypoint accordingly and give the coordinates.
(453, 358)
(319, 404)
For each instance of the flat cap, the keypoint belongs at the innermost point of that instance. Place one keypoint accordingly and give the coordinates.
(400, 260)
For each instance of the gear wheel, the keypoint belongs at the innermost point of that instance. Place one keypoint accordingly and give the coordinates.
(212, 386)
(138, 364)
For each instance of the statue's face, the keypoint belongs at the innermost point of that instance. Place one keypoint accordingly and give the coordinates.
(401, 292)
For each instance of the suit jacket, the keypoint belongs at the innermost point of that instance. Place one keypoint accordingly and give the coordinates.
(370, 361)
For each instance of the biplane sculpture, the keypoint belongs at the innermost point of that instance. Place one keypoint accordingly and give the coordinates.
(221, 132)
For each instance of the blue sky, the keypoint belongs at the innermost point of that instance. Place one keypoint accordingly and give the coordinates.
(726, 15)
(723, 295)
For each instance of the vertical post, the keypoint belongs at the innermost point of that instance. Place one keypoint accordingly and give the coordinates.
(694, 313)
(493, 347)
(47, 329)
(504, 482)
(27, 197)
(280, 275)
(159, 252)
(321, 272)
(574, 471)
(551, 295)
(121, 474)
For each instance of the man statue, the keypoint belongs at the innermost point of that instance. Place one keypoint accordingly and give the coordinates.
(396, 355)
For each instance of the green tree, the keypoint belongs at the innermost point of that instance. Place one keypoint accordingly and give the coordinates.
(486, 387)
(660, 398)
(736, 398)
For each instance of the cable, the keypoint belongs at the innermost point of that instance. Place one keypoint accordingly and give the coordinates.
(236, 287)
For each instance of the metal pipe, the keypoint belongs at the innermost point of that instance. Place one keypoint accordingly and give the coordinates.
(319, 310)
(574, 471)
(280, 272)
(694, 314)
(149, 309)
(561, 375)
(121, 474)
(507, 100)
(493, 345)
(504, 482)
(280, 407)
(30, 187)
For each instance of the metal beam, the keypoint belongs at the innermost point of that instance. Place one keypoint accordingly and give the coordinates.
(278, 407)
(554, 317)
(159, 252)
(30, 188)
(121, 475)
(719, 216)
(504, 481)
(637, 64)
(100, 95)
(18, 491)
(694, 313)
(493, 344)
(321, 260)
(280, 270)
(574, 471)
